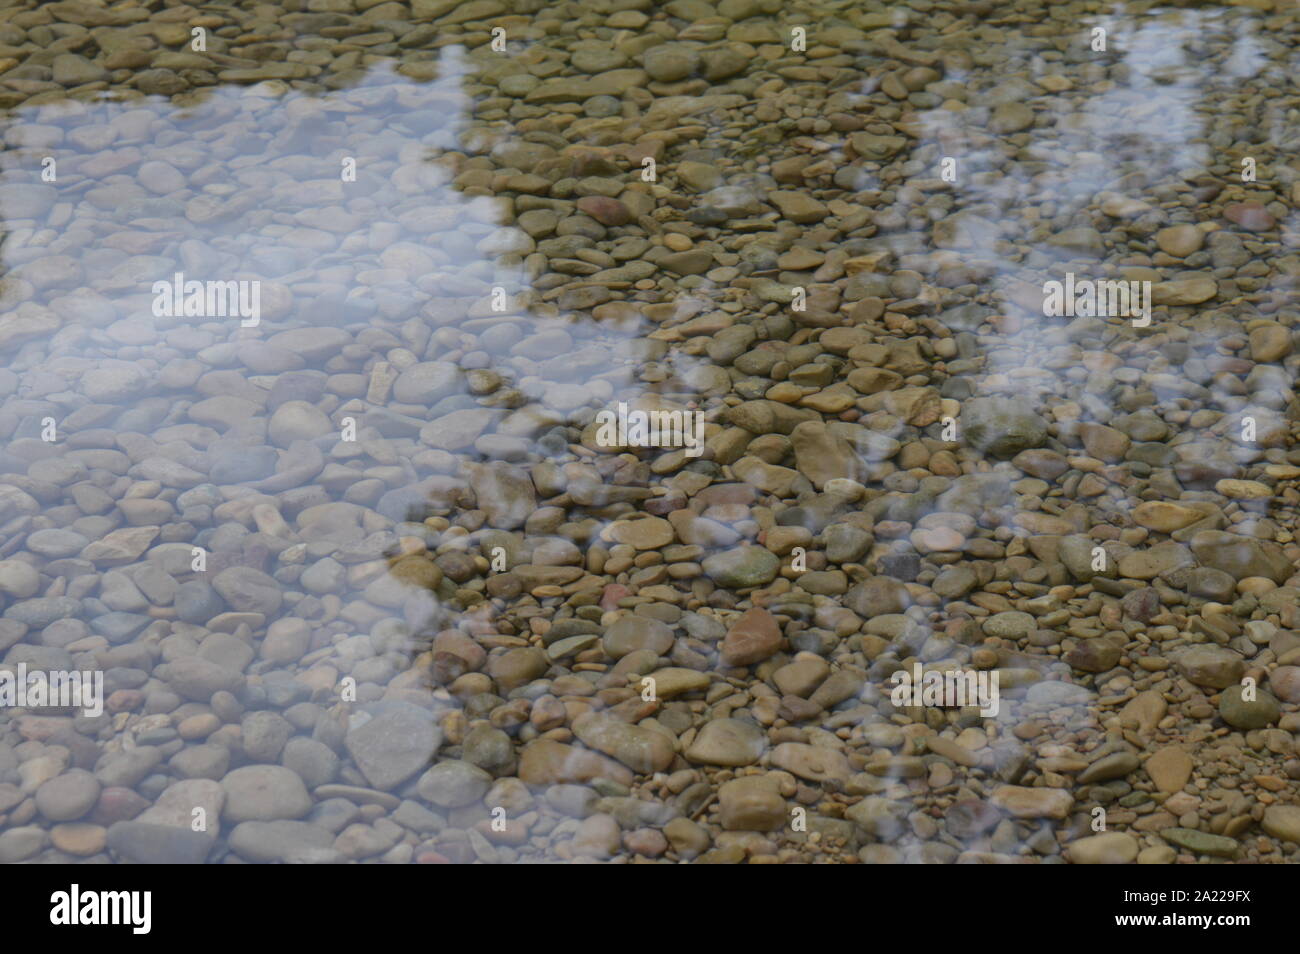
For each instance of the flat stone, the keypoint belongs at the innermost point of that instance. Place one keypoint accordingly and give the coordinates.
(1239, 713)
(1187, 291)
(79, 838)
(1109, 767)
(394, 746)
(753, 637)
(742, 568)
(675, 681)
(1180, 240)
(751, 803)
(1270, 342)
(1001, 426)
(1285, 683)
(69, 796)
(1009, 625)
(1201, 843)
(645, 533)
(1170, 769)
(810, 762)
(1282, 821)
(146, 844)
(633, 633)
(1153, 562)
(1110, 848)
(640, 749)
(264, 793)
(281, 842)
(1020, 802)
(1212, 666)
(1165, 517)
(176, 806)
(454, 784)
(727, 742)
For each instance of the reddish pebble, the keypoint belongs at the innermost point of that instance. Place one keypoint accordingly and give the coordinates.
(612, 594)
(1251, 216)
(1285, 683)
(42, 728)
(124, 700)
(117, 804)
(752, 638)
(431, 858)
(659, 506)
(646, 842)
(605, 210)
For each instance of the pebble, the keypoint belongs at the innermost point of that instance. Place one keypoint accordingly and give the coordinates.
(282, 842)
(636, 633)
(393, 746)
(640, 749)
(1251, 216)
(1201, 843)
(79, 838)
(752, 803)
(69, 796)
(1239, 713)
(1170, 769)
(1111, 848)
(1282, 821)
(1001, 427)
(753, 637)
(142, 843)
(1180, 240)
(729, 742)
(1021, 802)
(263, 793)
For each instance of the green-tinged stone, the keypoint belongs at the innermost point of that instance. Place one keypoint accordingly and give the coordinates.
(1240, 714)
(1201, 843)
(738, 569)
(570, 645)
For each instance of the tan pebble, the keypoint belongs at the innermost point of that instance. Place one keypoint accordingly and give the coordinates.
(1158, 855)
(198, 726)
(951, 750)
(598, 836)
(1182, 803)
(79, 838)
(1180, 240)
(1243, 489)
(1165, 517)
(1021, 802)
(1255, 585)
(1111, 848)
(1170, 768)
(936, 539)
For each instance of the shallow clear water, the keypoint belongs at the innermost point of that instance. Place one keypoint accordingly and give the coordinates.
(365, 578)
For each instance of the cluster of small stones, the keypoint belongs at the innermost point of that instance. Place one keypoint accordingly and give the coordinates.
(430, 644)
